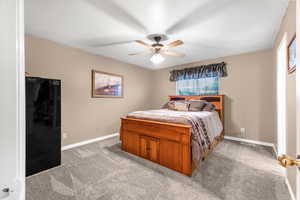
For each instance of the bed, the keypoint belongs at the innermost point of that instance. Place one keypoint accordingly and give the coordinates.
(174, 139)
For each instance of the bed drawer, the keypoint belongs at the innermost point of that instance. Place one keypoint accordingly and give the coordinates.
(149, 148)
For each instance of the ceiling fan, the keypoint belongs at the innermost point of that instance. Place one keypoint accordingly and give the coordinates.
(157, 48)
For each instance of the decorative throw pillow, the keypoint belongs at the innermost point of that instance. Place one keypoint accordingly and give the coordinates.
(196, 105)
(171, 105)
(165, 106)
(181, 106)
(208, 107)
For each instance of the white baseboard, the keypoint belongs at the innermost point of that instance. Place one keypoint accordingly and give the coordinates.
(290, 189)
(252, 142)
(89, 141)
(249, 141)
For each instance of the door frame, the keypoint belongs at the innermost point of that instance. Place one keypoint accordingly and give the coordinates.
(20, 74)
(13, 74)
(298, 95)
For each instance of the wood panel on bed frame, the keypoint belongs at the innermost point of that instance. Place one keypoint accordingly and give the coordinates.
(167, 144)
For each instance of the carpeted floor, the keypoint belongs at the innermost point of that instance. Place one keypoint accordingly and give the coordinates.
(101, 171)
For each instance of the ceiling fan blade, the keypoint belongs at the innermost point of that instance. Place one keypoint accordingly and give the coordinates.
(140, 53)
(172, 53)
(175, 43)
(143, 43)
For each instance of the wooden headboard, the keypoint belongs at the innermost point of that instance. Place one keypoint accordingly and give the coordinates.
(217, 100)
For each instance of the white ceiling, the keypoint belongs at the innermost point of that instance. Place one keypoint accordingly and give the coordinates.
(209, 28)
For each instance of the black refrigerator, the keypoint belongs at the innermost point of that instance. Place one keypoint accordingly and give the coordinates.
(43, 124)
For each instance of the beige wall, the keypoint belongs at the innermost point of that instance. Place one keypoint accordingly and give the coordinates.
(249, 90)
(289, 26)
(84, 117)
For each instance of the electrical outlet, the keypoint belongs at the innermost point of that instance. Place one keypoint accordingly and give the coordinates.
(65, 135)
(243, 132)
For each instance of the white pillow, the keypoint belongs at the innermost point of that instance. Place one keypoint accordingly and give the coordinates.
(181, 106)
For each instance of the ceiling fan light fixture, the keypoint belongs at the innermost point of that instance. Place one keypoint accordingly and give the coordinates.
(157, 58)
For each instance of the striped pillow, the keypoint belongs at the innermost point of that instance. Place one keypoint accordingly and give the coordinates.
(208, 107)
(196, 105)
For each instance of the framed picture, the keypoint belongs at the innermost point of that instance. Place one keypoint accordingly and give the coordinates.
(106, 85)
(291, 54)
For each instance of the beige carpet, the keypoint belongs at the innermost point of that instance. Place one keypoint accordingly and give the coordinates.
(101, 171)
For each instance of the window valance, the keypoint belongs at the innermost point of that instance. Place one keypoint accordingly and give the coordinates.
(216, 69)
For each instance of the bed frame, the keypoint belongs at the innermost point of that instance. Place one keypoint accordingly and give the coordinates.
(167, 144)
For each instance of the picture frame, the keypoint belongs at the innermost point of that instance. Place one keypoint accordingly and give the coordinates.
(291, 55)
(107, 85)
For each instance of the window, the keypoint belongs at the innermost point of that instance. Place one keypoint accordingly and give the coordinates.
(201, 86)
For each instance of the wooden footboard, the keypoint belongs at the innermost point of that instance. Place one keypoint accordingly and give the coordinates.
(165, 143)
